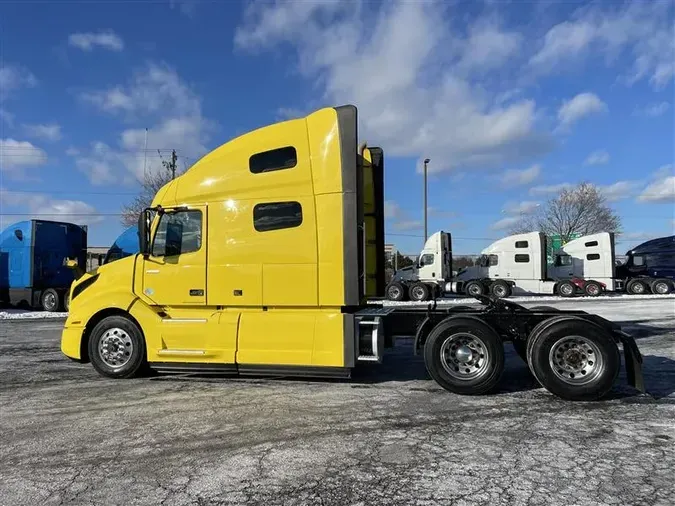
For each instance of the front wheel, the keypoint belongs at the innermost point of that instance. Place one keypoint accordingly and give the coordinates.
(117, 348)
(464, 356)
(573, 359)
(50, 300)
(566, 289)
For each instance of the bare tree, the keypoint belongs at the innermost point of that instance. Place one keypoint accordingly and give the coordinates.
(152, 183)
(580, 210)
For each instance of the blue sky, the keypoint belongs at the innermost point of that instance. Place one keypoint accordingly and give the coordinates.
(510, 100)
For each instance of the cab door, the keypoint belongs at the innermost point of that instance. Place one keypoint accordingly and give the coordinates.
(174, 273)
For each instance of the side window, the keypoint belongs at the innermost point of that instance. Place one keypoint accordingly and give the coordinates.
(593, 256)
(275, 159)
(521, 244)
(277, 215)
(426, 259)
(522, 258)
(591, 243)
(178, 233)
(493, 260)
(638, 261)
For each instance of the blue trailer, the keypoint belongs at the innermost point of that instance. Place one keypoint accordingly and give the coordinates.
(649, 267)
(33, 270)
(125, 245)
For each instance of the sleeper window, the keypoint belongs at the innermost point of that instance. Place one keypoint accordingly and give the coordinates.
(277, 215)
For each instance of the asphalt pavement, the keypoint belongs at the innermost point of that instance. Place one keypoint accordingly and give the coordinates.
(388, 436)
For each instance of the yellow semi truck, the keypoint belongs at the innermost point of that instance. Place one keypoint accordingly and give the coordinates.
(262, 259)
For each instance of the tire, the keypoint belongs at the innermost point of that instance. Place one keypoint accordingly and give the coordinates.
(474, 336)
(49, 300)
(127, 362)
(474, 286)
(661, 286)
(636, 287)
(567, 289)
(66, 301)
(573, 359)
(418, 292)
(500, 289)
(592, 289)
(396, 291)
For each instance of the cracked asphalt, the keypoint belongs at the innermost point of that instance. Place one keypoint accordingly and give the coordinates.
(388, 436)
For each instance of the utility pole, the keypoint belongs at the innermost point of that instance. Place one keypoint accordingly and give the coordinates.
(173, 164)
(145, 156)
(426, 161)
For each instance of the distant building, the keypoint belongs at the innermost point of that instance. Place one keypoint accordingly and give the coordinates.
(389, 253)
(95, 256)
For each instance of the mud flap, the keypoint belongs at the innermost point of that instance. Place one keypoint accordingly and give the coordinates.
(633, 359)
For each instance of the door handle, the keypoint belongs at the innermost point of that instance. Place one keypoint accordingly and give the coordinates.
(152, 271)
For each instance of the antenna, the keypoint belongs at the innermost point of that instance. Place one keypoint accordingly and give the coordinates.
(145, 154)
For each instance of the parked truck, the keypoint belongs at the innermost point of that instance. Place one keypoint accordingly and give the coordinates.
(125, 245)
(261, 260)
(33, 255)
(649, 267)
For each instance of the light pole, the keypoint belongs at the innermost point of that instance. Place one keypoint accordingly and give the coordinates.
(426, 161)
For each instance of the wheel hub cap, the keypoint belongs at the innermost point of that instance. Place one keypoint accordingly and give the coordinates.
(115, 347)
(464, 356)
(576, 360)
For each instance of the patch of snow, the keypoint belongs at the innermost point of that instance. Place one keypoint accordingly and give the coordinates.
(24, 314)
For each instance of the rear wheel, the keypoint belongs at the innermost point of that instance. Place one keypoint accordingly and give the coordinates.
(573, 359)
(66, 301)
(520, 346)
(567, 289)
(419, 292)
(396, 291)
(592, 288)
(636, 287)
(474, 288)
(117, 348)
(661, 286)
(500, 289)
(464, 356)
(49, 300)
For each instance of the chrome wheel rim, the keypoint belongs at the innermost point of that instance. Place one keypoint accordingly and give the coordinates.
(500, 291)
(637, 288)
(474, 290)
(566, 289)
(593, 289)
(50, 301)
(115, 347)
(394, 292)
(576, 360)
(464, 356)
(661, 287)
(418, 293)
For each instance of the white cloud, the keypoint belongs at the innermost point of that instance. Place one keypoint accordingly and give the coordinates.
(663, 187)
(520, 177)
(584, 104)
(653, 110)
(159, 96)
(88, 41)
(597, 158)
(41, 206)
(391, 209)
(618, 191)
(50, 132)
(18, 156)
(643, 31)
(549, 189)
(524, 207)
(505, 223)
(409, 225)
(13, 77)
(423, 102)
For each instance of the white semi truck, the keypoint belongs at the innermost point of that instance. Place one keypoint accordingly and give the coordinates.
(516, 264)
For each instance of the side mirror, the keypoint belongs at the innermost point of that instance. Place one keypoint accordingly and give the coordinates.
(144, 232)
